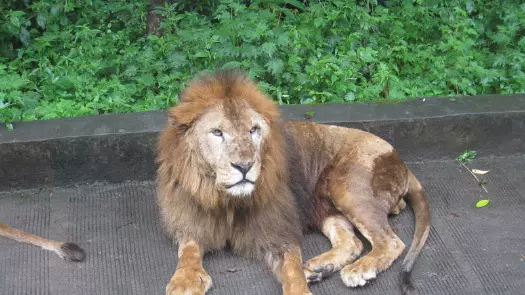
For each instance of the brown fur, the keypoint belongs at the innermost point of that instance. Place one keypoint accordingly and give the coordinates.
(311, 175)
(190, 202)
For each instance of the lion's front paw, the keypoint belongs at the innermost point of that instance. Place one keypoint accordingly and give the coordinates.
(298, 288)
(317, 273)
(189, 281)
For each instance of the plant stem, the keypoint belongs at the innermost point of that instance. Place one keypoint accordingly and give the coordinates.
(479, 182)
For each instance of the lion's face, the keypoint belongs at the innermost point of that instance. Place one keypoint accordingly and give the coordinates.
(229, 139)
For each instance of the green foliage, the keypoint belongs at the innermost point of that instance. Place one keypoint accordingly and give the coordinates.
(71, 58)
(467, 156)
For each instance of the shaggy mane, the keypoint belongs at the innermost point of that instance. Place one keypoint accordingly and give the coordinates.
(224, 87)
(180, 163)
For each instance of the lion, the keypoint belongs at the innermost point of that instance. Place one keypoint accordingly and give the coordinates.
(233, 174)
(65, 250)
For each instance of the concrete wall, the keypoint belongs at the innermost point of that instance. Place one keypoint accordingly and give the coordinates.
(119, 147)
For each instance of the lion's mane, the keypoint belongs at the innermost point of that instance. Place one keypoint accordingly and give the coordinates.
(189, 200)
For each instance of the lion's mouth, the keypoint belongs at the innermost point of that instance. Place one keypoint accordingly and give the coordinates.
(244, 181)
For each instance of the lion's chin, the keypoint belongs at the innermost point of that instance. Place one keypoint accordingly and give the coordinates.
(244, 189)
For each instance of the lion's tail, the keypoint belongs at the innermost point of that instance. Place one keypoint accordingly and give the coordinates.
(418, 201)
(68, 251)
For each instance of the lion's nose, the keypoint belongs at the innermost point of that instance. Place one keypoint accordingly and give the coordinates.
(242, 167)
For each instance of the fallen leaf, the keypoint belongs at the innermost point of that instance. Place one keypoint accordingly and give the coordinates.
(481, 172)
(454, 214)
(482, 203)
(483, 181)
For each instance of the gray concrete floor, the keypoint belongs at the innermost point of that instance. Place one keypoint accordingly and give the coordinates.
(470, 250)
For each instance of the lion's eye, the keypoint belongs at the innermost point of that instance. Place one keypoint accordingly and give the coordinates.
(254, 129)
(217, 132)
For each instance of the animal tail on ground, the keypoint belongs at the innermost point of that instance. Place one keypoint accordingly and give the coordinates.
(66, 250)
(419, 203)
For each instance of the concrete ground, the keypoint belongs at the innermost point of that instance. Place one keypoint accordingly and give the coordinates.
(470, 250)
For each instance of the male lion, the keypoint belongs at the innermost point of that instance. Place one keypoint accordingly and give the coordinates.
(232, 173)
(67, 251)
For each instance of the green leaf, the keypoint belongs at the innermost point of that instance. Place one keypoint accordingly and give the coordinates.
(54, 10)
(177, 60)
(282, 40)
(367, 54)
(202, 54)
(231, 65)
(29, 99)
(15, 21)
(295, 3)
(147, 79)
(12, 81)
(467, 156)
(309, 115)
(482, 203)
(275, 66)
(131, 71)
(269, 48)
(65, 83)
(470, 6)
(350, 96)
(24, 36)
(9, 126)
(319, 22)
(41, 20)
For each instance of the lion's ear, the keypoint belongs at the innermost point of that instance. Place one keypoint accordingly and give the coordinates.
(176, 117)
(183, 115)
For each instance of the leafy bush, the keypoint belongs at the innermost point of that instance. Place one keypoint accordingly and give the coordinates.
(70, 58)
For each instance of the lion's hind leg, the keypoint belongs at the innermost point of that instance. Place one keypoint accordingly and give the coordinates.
(346, 247)
(371, 219)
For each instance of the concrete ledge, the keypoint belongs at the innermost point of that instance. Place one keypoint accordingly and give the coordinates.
(119, 147)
